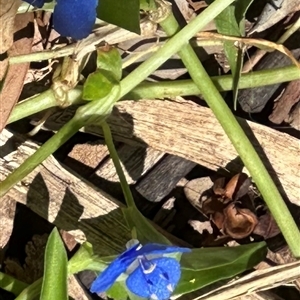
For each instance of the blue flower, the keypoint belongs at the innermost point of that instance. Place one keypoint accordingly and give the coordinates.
(73, 18)
(153, 276)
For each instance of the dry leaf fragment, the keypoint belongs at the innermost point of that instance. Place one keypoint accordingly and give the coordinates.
(259, 43)
(7, 215)
(8, 11)
(287, 100)
(294, 118)
(238, 222)
(273, 13)
(237, 187)
(266, 226)
(14, 79)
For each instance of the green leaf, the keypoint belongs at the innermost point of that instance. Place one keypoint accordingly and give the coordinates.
(231, 21)
(147, 5)
(55, 269)
(84, 259)
(11, 284)
(118, 291)
(98, 85)
(125, 14)
(205, 266)
(145, 231)
(110, 60)
(241, 8)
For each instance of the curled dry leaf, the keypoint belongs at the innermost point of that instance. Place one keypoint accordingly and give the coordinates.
(237, 187)
(266, 226)
(238, 222)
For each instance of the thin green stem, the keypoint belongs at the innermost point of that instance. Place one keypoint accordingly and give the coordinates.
(32, 291)
(114, 156)
(41, 102)
(172, 46)
(165, 89)
(239, 140)
(66, 132)
(11, 284)
(84, 115)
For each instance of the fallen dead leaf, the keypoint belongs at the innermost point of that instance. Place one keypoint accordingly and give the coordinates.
(238, 222)
(7, 215)
(288, 99)
(259, 43)
(15, 76)
(272, 15)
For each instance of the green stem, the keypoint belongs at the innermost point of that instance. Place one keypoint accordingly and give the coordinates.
(11, 284)
(40, 102)
(135, 220)
(114, 156)
(165, 89)
(172, 46)
(239, 140)
(32, 291)
(66, 132)
(85, 114)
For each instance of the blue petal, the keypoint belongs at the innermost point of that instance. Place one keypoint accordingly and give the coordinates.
(157, 284)
(160, 249)
(36, 3)
(75, 18)
(106, 279)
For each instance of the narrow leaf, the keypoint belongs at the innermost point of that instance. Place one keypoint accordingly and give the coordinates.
(205, 266)
(55, 269)
(125, 14)
(231, 21)
(145, 231)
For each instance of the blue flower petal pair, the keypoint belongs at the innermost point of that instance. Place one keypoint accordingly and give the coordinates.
(73, 18)
(153, 278)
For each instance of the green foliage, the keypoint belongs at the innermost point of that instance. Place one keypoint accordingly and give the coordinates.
(84, 259)
(55, 269)
(144, 230)
(111, 61)
(205, 266)
(98, 85)
(125, 14)
(108, 74)
(231, 21)
(11, 284)
(118, 291)
(147, 5)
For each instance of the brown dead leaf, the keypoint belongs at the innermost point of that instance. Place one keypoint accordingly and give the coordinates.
(238, 222)
(266, 226)
(237, 187)
(267, 20)
(259, 43)
(15, 76)
(294, 118)
(8, 10)
(7, 215)
(283, 106)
